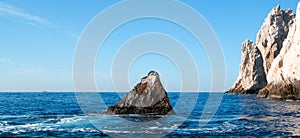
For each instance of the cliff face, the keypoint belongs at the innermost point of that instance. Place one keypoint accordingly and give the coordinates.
(284, 74)
(257, 63)
(252, 76)
(147, 97)
(272, 34)
(258, 57)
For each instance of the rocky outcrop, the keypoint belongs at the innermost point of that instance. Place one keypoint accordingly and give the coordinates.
(252, 76)
(258, 57)
(147, 97)
(284, 73)
(272, 34)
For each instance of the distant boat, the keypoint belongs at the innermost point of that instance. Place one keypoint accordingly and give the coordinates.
(44, 91)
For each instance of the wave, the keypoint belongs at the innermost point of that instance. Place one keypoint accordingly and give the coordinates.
(71, 120)
(44, 123)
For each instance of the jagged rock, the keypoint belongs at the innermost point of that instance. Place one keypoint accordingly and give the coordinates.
(284, 74)
(252, 76)
(147, 97)
(272, 34)
(256, 62)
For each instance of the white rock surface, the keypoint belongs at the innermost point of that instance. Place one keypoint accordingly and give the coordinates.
(284, 74)
(272, 34)
(252, 76)
(286, 67)
(257, 58)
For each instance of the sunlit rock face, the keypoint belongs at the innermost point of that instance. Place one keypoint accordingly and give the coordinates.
(252, 76)
(258, 58)
(284, 74)
(272, 34)
(147, 97)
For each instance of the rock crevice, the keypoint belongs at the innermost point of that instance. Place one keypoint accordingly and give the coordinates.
(272, 34)
(284, 74)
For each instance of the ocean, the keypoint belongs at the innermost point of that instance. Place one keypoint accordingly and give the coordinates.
(49, 114)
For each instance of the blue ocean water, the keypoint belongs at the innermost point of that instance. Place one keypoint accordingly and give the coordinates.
(59, 115)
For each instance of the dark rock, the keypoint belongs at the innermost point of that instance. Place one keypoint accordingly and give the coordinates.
(281, 91)
(147, 97)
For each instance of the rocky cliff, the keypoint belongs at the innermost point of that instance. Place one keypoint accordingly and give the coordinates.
(147, 97)
(252, 76)
(284, 73)
(271, 64)
(272, 34)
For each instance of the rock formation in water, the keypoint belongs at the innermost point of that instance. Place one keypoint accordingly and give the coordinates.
(284, 74)
(258, 58)
(147, 97)
(252, 76)
(272, 34)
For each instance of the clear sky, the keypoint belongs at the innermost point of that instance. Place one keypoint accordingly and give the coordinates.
(38, 40)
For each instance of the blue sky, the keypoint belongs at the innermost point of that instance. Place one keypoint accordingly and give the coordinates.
(38, 40)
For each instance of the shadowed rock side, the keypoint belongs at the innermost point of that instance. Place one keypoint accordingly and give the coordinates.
(147, 97)
(281, 91)
(252, 76)
(284, 74)
(258, 57)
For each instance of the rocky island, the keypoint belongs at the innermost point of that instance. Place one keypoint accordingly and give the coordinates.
(147, 97)
(270, 67)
